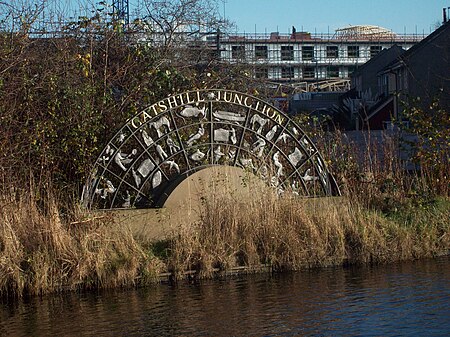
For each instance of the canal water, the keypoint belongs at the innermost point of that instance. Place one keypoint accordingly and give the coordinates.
(405, 299)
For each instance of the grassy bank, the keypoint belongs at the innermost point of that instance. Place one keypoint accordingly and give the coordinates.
(43, 250)
(291, 234)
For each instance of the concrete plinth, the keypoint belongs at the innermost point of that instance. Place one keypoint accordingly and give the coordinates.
(182, 203)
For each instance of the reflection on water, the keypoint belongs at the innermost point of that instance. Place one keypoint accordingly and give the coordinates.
(405, 299)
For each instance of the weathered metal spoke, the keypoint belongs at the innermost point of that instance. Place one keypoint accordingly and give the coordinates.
(186, 132)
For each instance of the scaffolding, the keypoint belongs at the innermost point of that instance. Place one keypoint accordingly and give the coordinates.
(323, 61)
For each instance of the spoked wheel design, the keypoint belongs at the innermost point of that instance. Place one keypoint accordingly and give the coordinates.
(187, 132)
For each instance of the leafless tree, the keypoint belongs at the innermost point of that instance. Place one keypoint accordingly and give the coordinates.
(172, 21)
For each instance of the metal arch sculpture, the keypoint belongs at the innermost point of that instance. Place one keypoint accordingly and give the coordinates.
(187, 132)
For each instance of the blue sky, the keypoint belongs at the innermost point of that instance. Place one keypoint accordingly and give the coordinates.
(321, 15)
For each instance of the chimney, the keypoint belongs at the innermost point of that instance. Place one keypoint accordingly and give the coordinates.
(444, 13)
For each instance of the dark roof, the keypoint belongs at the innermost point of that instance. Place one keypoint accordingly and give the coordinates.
(393, 49)
(422, 44)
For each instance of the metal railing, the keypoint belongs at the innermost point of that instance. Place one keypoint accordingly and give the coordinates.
(318, 37)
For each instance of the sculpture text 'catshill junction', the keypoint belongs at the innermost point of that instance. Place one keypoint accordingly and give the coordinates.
(187, 132)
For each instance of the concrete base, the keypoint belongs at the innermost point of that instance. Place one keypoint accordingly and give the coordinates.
(182, 205)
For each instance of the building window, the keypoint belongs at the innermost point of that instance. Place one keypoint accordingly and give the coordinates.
(307, 53)
(287, 53)
(260, 52)
(308, 72)
(374, 50)
(287, 72)
(353, 51)
(332, 52)
(262, 73)
(238, 52)
(332, 71)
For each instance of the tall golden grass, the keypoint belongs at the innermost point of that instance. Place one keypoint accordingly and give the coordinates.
(293, 234)
(43, 251)
(384, 215)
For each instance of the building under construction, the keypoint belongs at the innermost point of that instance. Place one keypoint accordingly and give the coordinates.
(306, 61)
(310, 61)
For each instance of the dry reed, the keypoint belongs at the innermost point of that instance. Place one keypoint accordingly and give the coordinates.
(41, 251)
(289, 233)
(385, 215)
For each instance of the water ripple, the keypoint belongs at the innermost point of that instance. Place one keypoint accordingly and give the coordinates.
(407, 299)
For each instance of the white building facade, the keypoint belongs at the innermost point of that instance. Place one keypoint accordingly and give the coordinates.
(302, 56)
